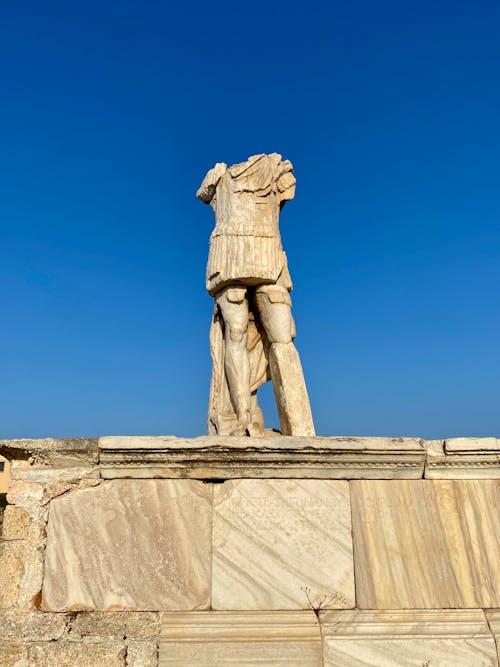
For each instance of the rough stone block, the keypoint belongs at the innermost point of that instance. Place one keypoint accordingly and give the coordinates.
(13, 655)
(129, 545)
(246, 639)
(116, 624)
(24, 494)
(142, 654)
(12, 559)
(282, 544)
(48, 451)
(426, 544)
(43, 475)
(407, 639)
(31, 626)
(16, 523)
(78, 654)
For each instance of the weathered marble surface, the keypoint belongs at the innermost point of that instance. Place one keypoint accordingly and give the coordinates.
(279, 456)
(447, 638)
(205, 639)
(463, 458)
(252, 331)
(282, 544)
(129, 545)
(426, 544)
(493, 618)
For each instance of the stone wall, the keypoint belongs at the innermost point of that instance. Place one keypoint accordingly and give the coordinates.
(276, 551)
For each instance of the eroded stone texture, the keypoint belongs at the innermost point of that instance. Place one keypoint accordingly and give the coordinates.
(129, 545)
(447, 638)
(116, 624)
(282, 544)
(13, 655)
(246, 639)
(81, 654)
(12, 564)
(31, 626)
(426, 544)
(16, 523)
(142, 653)
(50, 451)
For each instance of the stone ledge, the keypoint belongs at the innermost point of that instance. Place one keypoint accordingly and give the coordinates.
(272, 456)
(212, 457)
(53, 452)
(281, 639)
(449, 638)
(463, 458)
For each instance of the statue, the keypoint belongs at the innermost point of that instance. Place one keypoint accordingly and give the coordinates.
(252, 331)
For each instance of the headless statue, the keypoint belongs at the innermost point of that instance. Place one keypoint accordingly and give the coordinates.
(252, 332)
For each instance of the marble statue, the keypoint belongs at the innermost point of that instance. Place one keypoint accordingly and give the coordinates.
(252, 332)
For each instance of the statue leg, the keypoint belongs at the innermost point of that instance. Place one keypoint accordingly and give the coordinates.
(233, 305)
(274, 307)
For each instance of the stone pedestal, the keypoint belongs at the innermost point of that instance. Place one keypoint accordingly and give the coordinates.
(278, 551)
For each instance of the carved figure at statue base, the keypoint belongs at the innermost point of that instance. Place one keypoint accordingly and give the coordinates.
(252, 332)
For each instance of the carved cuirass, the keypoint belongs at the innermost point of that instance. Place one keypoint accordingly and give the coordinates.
(245, 245)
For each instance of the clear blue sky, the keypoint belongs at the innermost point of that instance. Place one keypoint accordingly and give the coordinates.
(111, 113)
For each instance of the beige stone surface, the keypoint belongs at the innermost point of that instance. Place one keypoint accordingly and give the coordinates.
(45, 475)
(246, 639)
(116, 624)
(282, 544)
(52, 452)
(426, 544)
(493, 618)
(12, 565)
(277, 457)
(290, 390)
(78, 654)
(471, 444)
(31, 626)
(247, 274)
(447, 638)
(129, 545)
(463, 458)
(142, 653)
(16, 523)
(13, 655)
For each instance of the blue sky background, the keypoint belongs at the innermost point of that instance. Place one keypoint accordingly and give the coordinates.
(110, 115)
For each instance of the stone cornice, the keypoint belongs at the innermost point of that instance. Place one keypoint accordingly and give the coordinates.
(272, 456)
(212, 457)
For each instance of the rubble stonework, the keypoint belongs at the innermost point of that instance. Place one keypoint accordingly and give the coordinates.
(414, 525)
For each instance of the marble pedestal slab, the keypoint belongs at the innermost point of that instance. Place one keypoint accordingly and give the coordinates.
(129, 545)
(282, 544)
(246, 639)
(426, 544)
(448, 638)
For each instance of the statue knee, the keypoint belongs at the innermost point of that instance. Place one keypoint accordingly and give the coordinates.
(237, 333)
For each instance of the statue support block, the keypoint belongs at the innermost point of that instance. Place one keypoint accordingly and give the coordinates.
(290, 390)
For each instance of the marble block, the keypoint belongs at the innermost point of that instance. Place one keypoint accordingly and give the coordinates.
(463, 458)
(426, 543)
(448, 638)
(246, 639)
(493, 618)
(282, 544)
(129, 545)
(270, 456)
